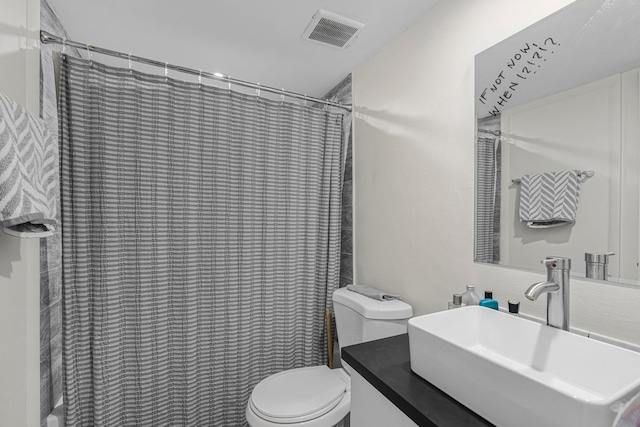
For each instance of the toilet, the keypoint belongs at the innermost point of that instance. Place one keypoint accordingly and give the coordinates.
(318, 396)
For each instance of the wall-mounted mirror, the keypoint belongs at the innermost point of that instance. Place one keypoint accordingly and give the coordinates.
(557, 100)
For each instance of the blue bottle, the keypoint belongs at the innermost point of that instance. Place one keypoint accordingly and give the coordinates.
(488, 301)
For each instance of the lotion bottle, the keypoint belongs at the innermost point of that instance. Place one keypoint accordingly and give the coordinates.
(469, 297)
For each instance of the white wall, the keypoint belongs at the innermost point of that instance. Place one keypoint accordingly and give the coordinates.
(19, 258)
(414, 170)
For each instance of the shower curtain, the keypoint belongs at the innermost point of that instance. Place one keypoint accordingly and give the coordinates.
(488, 172)
(201, 245)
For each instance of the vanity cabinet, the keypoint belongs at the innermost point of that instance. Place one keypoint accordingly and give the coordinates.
(370, 408)
(385, 392)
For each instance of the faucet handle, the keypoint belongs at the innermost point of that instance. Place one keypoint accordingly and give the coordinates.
(559, 263)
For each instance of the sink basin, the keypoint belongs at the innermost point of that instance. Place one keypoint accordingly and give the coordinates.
(515, 372)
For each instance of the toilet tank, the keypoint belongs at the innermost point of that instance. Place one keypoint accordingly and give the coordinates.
(360, 318)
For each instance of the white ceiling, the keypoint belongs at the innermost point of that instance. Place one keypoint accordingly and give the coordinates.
(253, 40)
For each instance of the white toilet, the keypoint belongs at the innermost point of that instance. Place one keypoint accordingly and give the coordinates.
(318, 396)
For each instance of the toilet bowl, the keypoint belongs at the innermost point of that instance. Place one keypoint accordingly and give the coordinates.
(312, 397)
(318, 396)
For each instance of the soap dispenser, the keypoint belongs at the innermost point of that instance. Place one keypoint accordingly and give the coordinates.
(470, 297)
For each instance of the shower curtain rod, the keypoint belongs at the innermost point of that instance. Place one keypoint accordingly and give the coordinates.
(46, 37)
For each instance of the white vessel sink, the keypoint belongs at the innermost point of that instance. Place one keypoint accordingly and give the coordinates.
(515, 372)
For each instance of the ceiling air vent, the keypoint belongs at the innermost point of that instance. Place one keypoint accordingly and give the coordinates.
(332, 29)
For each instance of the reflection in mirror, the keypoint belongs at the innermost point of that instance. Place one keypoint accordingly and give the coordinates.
(557, 99)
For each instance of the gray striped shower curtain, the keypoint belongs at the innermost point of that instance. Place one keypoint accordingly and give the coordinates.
(488, 172)
(201, 245)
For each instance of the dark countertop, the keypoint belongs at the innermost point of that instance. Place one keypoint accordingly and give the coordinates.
(385, 364)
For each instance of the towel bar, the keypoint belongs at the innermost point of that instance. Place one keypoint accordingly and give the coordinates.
(583, 174)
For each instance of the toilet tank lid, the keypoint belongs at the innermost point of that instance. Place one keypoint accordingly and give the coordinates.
(371, 308)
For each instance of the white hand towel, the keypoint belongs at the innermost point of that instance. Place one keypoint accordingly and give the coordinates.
(549, 199)
(28, 173)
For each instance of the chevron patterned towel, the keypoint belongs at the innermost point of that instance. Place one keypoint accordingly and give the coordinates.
(549, 199)
(28, 173)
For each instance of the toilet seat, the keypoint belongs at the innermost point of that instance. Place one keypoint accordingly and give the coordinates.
(305, 396)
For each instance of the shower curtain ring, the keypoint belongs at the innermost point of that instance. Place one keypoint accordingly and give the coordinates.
(282, 95)
(200, 77)
(166, 69)
(258, 91)
(305, 100)
(64, 46)
(89, 52)
(130, 66)
(229, 82)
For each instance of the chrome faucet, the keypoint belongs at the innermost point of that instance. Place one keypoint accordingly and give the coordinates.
(557, 289)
